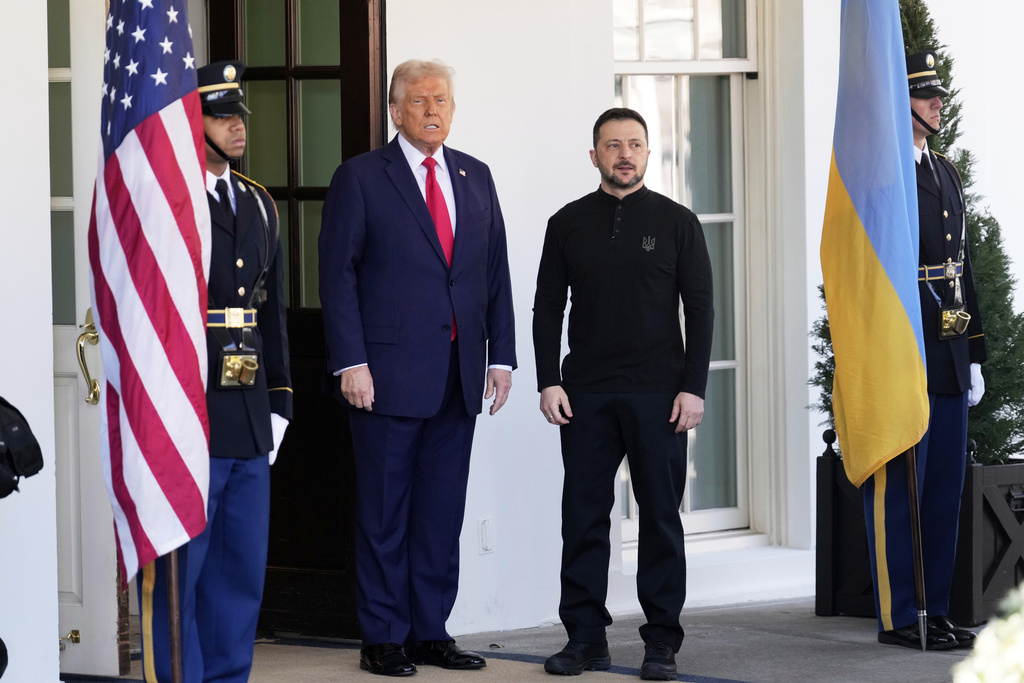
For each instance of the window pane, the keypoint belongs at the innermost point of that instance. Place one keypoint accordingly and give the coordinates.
(310, 262)
(720, 246)
(62, 265)
(264, 33)
(267, 138)
(319, 131)
(709, 161)
(709, 23)
(654, 98)
(734, 28)
(712, 446)
(58, 33)
(626, 27)
(61, 182)
(282, 221)
(319, 39)
(668, 29)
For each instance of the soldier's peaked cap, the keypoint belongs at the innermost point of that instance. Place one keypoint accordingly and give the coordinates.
(220, 88)
(924, 81)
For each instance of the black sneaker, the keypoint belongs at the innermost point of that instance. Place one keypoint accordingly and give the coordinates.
(575, 658)
(659, 662)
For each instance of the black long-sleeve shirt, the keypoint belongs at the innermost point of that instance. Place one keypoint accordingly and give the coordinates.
(628, 262)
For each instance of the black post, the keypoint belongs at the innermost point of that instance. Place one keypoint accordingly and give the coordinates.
(915, 537)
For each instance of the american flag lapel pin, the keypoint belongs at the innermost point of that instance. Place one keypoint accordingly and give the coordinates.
(462, 173)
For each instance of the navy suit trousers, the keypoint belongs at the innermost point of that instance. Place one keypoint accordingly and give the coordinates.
(411, 476)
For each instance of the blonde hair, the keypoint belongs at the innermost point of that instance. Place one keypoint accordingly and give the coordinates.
(413, 70)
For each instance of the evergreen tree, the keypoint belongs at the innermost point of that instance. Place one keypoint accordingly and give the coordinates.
(997, 422)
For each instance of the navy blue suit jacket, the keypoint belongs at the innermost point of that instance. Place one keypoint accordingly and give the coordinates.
(240, 418)
(388, 294)
(941, 214)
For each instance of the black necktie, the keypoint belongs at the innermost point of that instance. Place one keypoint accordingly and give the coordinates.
(927, 161)
(225, 201)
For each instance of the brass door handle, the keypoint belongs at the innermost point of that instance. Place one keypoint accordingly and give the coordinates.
(92, 336)
(74, 637)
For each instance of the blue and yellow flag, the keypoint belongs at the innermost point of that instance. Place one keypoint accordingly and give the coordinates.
(869, 247)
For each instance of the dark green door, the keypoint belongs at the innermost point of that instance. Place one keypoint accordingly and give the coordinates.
(314, 81)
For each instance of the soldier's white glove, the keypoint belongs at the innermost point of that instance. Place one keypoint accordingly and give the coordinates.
(278, 425)
(977, 386)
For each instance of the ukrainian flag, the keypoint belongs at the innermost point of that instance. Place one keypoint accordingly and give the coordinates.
(869, 247)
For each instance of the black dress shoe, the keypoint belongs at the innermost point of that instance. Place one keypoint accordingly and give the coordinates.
(659, 662)
(909, 636)
(447, 655)
(576, 657)
(964, 638)
(386, 659)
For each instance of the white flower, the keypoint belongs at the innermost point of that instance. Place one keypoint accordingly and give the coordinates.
(998, 655)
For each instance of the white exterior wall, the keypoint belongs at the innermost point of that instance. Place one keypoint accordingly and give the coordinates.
(28, 526)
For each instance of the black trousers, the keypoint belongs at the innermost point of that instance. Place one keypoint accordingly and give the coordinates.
(603, 429)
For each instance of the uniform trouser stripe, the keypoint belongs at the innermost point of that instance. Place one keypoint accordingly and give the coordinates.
(884, 592)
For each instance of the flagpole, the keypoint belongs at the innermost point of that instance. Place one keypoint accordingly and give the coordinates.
(174, 615)
(915, 535)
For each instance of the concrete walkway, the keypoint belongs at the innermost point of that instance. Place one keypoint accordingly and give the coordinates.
(771, 642)
(768, 642)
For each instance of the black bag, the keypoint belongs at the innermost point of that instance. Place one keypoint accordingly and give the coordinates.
(20, 455)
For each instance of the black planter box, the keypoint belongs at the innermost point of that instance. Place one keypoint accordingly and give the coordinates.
(990, 546)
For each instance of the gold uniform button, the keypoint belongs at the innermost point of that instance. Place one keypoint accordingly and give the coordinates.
(945, 214)
(241, 291)
(948, 238)
(951, 283)
(240, 263)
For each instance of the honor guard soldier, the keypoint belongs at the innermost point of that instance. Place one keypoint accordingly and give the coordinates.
(954, 349)
(249, 399)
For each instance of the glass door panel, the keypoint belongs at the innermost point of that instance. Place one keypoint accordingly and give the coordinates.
(282, 221)
(61, 180)
(310, 263)
(319, 131)
(264, 33)
(267, 132)
(319, 41)
(62, 264)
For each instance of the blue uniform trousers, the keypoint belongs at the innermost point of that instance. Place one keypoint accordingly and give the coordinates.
(941, 461)
(604, 428)
(411, 476)
(220, 577)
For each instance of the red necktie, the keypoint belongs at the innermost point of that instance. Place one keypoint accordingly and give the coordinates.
(439, 214)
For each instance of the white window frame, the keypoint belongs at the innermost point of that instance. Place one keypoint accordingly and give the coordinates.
(739, 517)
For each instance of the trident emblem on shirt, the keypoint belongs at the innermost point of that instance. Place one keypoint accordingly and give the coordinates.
(648, 243)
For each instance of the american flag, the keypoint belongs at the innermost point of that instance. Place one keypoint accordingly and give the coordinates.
(149, 255)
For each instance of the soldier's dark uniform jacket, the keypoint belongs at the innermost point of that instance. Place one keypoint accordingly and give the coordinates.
(941, 214)
(240, 424)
